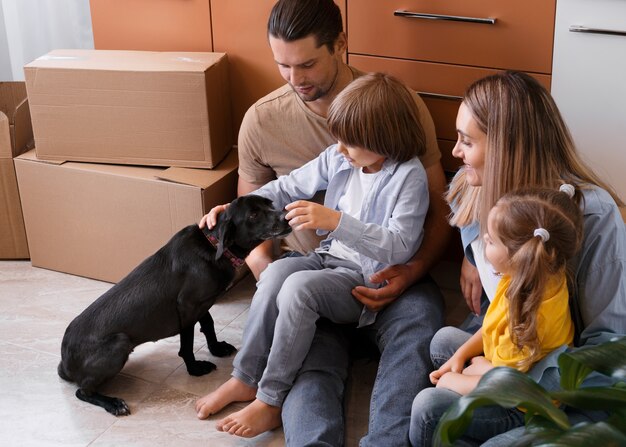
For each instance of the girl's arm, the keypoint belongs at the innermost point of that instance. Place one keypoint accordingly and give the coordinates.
(458, 382)
(466, 382)
(471, 348)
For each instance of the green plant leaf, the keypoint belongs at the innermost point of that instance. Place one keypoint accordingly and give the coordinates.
(501, 386)
(618, 420)
(593, 398)
(538, 430)
(607, 358)
(584, 435)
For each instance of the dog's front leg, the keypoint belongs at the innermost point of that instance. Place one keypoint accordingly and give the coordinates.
(217, 348)
(194, 367)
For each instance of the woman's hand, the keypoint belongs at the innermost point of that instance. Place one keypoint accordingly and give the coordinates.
(305, 215)
(471, 287)
(210, 219)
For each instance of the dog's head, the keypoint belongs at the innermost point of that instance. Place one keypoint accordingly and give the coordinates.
(248, 221)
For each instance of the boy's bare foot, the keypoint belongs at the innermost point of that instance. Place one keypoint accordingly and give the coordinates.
(256, 418)
(233, 390)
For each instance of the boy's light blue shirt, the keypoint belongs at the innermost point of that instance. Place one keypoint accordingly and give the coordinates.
(391, 226)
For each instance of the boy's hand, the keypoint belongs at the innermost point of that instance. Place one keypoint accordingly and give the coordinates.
(305, 215)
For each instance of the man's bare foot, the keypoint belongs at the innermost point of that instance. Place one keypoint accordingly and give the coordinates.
(256, 418)
(233, 390)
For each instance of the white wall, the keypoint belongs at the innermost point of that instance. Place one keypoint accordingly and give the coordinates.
(589, 83)
(31, 28)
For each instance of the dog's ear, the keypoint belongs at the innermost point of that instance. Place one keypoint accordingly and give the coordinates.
(224, 233)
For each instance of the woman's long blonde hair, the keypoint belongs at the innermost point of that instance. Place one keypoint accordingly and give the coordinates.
(528, 145)
(533, 261)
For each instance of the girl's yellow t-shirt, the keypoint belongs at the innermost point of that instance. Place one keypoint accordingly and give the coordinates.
(554, 326)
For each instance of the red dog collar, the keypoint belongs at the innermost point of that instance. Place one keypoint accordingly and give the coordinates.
(234, 260)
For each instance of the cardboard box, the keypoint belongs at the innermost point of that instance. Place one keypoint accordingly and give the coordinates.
(131, 107)
(15, 136)
(100, 221)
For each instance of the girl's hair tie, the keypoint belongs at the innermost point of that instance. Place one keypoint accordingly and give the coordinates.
(567, 189)
(542, 233)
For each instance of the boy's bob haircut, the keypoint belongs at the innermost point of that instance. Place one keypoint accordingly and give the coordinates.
(378, 113)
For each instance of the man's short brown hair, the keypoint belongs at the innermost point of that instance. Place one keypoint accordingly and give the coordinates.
(297, 19)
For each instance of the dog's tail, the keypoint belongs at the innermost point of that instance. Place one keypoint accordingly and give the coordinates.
(62, 373)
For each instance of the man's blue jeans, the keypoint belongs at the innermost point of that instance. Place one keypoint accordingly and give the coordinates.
(313, 413)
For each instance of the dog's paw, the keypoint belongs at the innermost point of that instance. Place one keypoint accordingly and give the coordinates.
(113, 405)
(200, 367)
(222, 349)
(118, 407)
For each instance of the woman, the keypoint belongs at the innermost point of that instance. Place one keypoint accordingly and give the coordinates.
(511, 135)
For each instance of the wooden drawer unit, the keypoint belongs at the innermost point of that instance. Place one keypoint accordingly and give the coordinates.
(485, 33)
(152, 25)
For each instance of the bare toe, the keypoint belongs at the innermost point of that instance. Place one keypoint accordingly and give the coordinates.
(256, 418)
(233, 390)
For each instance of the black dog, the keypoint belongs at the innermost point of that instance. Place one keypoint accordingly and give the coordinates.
(166, 295)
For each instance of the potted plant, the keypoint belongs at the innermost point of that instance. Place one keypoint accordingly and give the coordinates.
(547, 424)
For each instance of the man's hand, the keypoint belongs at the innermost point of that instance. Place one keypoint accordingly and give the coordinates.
(210, 220)
(305, 215)
(396, 279)
(471, 287)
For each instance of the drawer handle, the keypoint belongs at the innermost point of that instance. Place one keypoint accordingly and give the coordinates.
(419, 15)
(440, 96)
(584, 29)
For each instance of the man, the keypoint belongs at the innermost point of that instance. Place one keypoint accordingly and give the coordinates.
(286, 129)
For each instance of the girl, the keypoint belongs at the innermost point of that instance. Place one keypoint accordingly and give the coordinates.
(373, 214)
(511, 135)
(530, 237)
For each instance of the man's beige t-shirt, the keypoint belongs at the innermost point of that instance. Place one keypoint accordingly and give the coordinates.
(279, 134)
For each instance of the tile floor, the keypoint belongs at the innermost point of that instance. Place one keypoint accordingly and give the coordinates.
(37, 408)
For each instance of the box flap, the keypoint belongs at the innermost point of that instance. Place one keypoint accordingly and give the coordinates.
(13, 244)
(5, 137)
(118, 60)
(11, 95)
(31, 155)
(202, 178)
(22, 130)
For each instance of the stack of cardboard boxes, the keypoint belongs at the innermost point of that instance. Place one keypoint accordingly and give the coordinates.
(130, 147)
